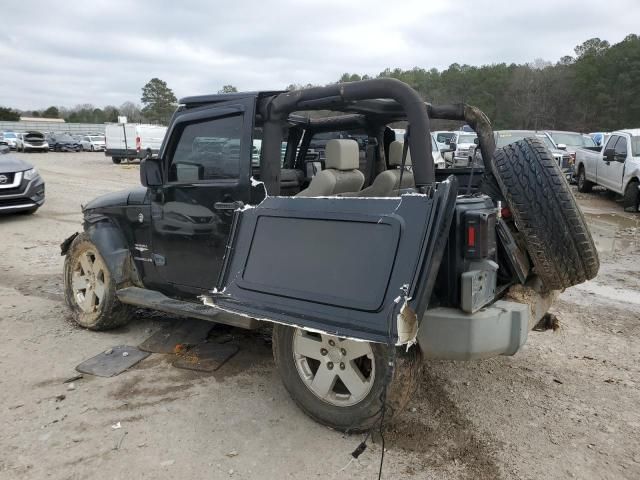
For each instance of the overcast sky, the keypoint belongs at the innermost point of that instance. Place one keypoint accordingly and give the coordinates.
(103, 51)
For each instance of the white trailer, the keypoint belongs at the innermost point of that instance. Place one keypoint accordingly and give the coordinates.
(130, 141)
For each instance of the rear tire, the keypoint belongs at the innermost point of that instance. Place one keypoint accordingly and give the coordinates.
(116, 160)
(546, 214)
(344, 408)
(89, 289)
(631, 197)
(584, 185)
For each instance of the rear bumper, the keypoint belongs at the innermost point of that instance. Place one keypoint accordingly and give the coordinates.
(29, 195)
(499, 329)
(451, 334)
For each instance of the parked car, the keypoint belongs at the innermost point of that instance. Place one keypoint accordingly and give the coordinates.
(599, 138)
(21, 187)
(63, 142)
(93, 143)
(505, 137)
(357, 290)
(32, 142)
(616, 166)
(11, 139)
(438, 160)
(570, 141)
(443, 138)
(130, 141)
(462, 147)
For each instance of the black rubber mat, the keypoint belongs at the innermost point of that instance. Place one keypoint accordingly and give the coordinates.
(206, 357)
(179, 332)
(112, 362)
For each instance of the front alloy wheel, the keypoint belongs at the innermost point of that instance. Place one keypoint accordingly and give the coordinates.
(88, 281)
(89, 289)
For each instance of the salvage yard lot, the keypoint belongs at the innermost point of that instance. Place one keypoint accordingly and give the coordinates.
(566, 406)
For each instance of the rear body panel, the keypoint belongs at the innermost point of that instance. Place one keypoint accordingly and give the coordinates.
(345, 266)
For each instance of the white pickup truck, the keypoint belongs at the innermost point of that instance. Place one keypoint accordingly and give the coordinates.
(616, 166)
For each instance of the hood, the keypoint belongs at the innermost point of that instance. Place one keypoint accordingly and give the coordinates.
(117, 199)
(11, 164)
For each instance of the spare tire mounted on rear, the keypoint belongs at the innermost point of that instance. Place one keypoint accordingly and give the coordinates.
(546, 214)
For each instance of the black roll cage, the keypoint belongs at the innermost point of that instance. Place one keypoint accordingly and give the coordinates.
(365, 103)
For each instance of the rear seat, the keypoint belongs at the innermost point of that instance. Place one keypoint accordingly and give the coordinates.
(387, 183)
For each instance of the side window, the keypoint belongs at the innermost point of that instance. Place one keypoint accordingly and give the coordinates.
(207, 150)
(611, 143)
(621, 148)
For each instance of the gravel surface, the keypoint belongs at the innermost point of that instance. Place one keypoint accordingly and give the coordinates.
(566, 406)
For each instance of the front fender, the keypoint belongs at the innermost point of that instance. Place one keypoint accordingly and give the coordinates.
(111, 244)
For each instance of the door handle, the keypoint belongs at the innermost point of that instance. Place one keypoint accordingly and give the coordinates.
(228, 205)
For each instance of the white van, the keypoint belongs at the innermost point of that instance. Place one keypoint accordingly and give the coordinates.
(130, 141)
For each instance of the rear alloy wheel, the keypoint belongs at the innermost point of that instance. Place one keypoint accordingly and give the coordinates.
(631, 197)
(340, 382)
(338, 371)
(89, 288)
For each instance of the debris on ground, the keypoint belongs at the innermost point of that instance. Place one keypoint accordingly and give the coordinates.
(112, 362)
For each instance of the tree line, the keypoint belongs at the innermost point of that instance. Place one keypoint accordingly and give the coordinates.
(597, 89)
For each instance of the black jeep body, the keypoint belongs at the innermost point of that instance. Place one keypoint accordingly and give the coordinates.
(341, 254)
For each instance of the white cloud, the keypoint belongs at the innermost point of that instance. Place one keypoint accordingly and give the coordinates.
(103, 52)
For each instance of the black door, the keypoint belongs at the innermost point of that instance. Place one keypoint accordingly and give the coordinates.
(207, 169)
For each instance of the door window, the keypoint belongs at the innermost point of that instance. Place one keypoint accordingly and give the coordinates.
(207, 150)
(611, 143)
(621, 148)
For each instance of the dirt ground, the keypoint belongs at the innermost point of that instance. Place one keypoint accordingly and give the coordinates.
(566, 406)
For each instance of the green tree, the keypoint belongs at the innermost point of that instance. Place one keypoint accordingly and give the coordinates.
(9, 115)
(159, 101)
(228, 89)
(51, 112)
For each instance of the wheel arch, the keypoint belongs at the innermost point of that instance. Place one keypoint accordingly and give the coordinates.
(633, 177)
(112, 245)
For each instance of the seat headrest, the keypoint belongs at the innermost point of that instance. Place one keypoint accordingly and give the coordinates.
(395, 154)
(342, 155)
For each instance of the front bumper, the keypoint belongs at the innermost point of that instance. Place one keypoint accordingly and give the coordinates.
(29, 194)
(35, 148)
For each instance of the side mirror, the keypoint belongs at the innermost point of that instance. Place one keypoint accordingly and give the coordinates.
(476, 141)
(150, 172)
(453, 146)
(562, 146)
(609, 155)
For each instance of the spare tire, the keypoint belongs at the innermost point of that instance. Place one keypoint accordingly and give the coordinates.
(552, 225)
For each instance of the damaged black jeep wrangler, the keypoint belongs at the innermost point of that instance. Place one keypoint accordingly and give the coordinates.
(366, 260)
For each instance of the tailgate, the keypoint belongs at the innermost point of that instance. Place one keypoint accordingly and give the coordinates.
(344, 266)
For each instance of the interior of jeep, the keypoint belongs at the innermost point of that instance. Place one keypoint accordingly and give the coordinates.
(344, 155)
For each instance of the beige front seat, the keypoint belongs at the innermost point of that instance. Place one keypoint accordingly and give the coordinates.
(341, 172)
(387, 183)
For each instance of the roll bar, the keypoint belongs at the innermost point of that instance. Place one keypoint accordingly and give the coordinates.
(340, 95)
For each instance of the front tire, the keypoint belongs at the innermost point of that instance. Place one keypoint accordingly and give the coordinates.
(89, 289)
(340, 382)
(116, 160)
(584, 185)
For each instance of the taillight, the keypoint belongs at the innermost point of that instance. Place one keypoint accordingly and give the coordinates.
(505, 212)
(471, 236)
(138, 144)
